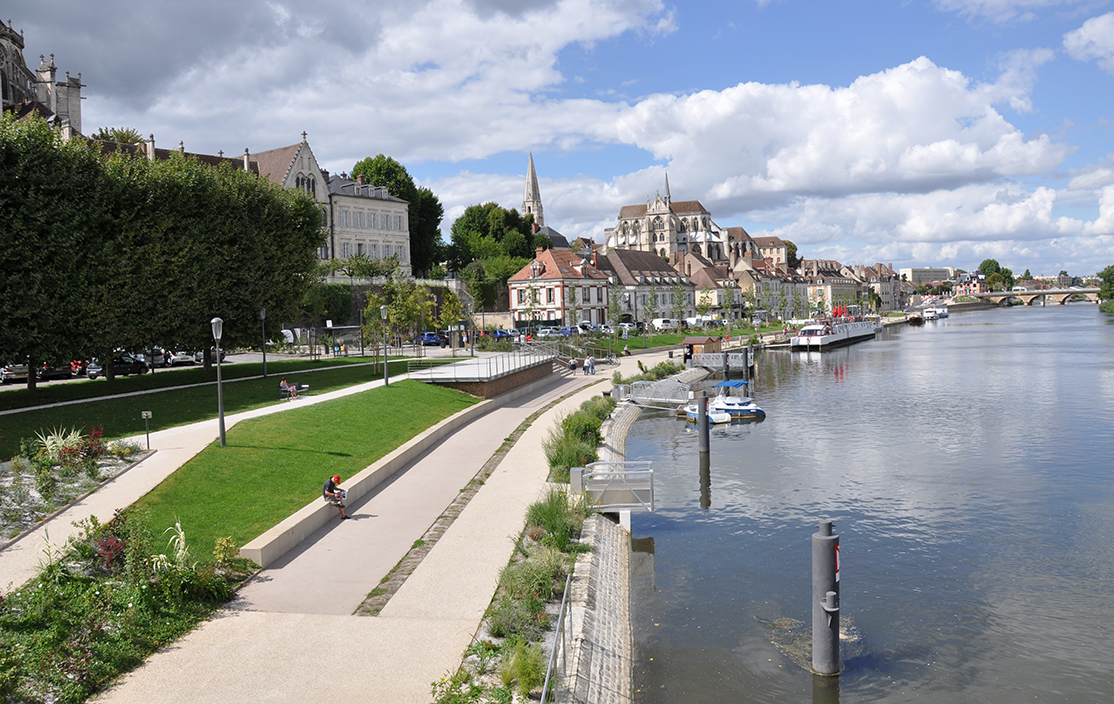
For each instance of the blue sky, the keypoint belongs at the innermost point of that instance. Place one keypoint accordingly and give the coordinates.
(925, 132)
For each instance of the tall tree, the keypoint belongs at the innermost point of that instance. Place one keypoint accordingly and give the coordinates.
(792, 260)
(425, 211)
(124, 135)
(1106, 283)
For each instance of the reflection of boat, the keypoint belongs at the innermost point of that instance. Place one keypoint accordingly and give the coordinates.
(736, 406)
(836, 332)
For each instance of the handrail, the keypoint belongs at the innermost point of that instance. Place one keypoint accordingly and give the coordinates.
(550, 675)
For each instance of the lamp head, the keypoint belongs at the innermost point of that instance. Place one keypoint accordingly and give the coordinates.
(383, 312)
(218, 328)
(262, 313)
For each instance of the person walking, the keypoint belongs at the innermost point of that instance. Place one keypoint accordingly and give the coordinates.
(335, 495)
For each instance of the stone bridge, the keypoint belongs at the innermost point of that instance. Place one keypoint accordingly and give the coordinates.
(1058, 295)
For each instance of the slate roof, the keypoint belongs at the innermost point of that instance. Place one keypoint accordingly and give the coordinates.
(558, 240)
(769, 241)
(275, 164)
(558, 264)
(680, 207)
(343, 186)
(628, 264)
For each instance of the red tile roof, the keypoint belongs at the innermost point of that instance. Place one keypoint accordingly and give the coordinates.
(558, 264)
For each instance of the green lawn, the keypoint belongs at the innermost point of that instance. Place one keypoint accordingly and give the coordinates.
(121, 416)
(51, 392)
(274, 465)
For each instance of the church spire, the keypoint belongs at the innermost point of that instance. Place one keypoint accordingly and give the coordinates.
(532, 199)
(667, 199)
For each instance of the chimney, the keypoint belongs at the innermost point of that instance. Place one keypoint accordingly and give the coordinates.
(151, 147)
(688, 269)
(360, 179)
(595, 260)
(540, 250)
(325, 174)
(181, 147)
(247, 159)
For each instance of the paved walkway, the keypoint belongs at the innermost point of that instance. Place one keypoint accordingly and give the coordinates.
(293, 624)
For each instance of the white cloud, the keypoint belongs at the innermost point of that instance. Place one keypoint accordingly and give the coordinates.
(1004, 10)
(1093, 41)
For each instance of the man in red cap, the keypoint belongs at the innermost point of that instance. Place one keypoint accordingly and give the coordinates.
(335, 495)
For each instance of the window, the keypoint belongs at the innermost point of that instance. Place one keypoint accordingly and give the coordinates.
(549, 295)
(386, 251)
(345, 250)
(374, 251)
(323, 252)
(360, 249)
(371, 221)
(398, 222)
(324, 217)
(521, 296)
(359, 219)
(401, 253)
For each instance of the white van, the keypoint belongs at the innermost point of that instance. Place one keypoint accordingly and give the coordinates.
(663, 323)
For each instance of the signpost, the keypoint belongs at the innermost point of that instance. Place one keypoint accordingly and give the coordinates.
(147, 424)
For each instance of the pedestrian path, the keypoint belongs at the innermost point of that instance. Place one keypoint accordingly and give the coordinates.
(291, 626)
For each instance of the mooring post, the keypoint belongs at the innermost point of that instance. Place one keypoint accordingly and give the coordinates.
(726, 367)
(825, 600)
(702, 422)
(705, 481)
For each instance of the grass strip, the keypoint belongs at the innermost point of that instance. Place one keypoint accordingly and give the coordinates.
(121, 416)
(48, 392)
(274, 465)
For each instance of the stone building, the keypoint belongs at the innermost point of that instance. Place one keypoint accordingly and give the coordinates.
(649, 286)
(560, 288)
(668, 229)
(25, 92)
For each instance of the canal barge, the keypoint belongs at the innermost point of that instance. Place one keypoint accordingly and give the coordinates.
(829, 334)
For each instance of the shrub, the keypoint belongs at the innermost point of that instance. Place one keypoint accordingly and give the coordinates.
(583, 426)
(526, 666)
(564, 453)
(456, 689)
(45, 481)
(553, 514)
(599, 406)
(511, 617)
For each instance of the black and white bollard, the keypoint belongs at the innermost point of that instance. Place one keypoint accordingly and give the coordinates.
(825, 600)
(702, 422)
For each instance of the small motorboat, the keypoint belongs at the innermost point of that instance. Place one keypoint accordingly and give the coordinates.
(714, 417)
(931, 314)
(736, 406)
(915, 319)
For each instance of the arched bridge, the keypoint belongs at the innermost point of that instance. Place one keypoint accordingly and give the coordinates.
(1058, 295)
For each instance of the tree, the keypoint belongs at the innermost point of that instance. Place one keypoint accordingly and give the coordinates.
(452, 310)
(123, 135)
(792, 261)
(614, 304)
(1106, 284)
(1027, 276)
(487, 231)
(730, 295)
(704, 300)
(573, 307)
(679, 297)
(425, 211)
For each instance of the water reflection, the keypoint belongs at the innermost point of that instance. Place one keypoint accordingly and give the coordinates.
(967, 465)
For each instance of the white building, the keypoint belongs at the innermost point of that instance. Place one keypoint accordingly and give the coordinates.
(668, 229)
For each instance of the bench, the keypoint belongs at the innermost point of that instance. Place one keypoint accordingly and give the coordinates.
(285, 393)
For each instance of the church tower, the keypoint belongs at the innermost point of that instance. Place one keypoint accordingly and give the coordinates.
(532, 199)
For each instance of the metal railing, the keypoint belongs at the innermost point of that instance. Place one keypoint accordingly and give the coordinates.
(659, 393)
(477, 368)
(714, 360)
(615, 486)
(560, 647)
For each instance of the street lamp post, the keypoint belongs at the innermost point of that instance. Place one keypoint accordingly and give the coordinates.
(386, 374)
(218, 328)
(263, 327)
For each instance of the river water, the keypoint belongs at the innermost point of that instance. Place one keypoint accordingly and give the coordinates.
(969, 469)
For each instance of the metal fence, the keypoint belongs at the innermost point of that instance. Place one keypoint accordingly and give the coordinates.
(477, 368)
(615, 486)
(659, 393)
(714, 360)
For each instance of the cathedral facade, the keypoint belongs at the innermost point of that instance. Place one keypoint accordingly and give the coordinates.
(669, 229)
(40, 91)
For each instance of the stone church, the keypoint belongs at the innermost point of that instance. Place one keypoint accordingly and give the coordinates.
(25, 92)
(669, 229)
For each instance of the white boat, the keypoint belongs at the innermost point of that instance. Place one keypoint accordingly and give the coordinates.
(930, 314)
(736, 406)
(714, 417)
(826, 334)
(941, 311)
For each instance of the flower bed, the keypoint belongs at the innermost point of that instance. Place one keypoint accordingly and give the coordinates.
(52, 471)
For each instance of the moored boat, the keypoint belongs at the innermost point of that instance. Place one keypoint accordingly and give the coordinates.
(736, 406)
(714, 417)
(915, 318)
(836, 332)
(930, 314)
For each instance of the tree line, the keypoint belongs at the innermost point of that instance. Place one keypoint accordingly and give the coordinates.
(103, 253)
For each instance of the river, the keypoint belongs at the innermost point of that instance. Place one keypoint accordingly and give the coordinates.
(968, 467)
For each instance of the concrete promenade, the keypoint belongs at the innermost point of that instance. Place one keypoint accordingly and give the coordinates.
(289, 636)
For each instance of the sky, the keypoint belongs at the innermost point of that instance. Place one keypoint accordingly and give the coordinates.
(913, 133)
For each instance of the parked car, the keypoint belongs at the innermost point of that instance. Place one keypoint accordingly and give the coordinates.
(606, 329)
(154, 358)
(57, 371)
(199, 357)
(11, 373)
(179, 357)
(663, 324)
(432, 338)
(548, 332)
(569, 331)
(504, 334)
(121, 366)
